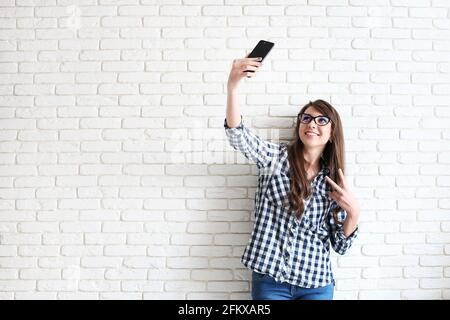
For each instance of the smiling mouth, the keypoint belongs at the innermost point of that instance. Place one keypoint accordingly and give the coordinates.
(311, 134)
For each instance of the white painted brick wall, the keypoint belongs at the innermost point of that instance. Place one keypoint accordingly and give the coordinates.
(116, 181)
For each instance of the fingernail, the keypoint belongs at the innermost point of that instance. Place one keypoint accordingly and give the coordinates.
(259, 59)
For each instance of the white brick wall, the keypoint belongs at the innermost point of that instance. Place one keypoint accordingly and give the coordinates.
(116, 180)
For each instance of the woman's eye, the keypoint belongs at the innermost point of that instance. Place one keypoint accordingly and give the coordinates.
(322, 120)
(306, 118)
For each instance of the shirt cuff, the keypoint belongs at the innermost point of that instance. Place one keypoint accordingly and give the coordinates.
(352, 236)
(227, 127)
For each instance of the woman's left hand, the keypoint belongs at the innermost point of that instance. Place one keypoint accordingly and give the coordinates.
(343, 197)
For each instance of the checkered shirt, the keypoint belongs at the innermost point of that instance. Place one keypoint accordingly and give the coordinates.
(289, 249)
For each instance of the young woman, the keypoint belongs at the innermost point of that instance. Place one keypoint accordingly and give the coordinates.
(297, 215)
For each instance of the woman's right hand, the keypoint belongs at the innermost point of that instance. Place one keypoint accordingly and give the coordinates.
(239, 66)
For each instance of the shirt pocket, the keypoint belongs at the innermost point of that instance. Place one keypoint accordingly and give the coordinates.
(278, 189)
(314, 214)
(318, 213)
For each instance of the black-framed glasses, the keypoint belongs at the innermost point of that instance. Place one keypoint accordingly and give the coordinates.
(307, 118)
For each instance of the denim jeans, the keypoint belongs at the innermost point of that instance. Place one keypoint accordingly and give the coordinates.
(264, 287)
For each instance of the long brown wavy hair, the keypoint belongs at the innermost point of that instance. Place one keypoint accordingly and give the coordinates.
(333, 155)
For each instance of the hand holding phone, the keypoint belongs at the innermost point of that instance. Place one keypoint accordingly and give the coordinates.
(262, 49)
(248, 65)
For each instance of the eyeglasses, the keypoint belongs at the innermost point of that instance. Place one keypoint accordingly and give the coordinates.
(319, 120)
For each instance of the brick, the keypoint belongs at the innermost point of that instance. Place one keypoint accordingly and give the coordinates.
(98, 285)
(398, 283)
(101, 262)
(380, 295)
(142, 286)
(379, 272)
(188, 262)
(18, 262)
(17, 285)
(423, 272)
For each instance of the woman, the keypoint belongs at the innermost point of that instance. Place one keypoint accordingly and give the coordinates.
(296, 214)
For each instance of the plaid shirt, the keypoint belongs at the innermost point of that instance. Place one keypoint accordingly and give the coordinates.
(292, 250)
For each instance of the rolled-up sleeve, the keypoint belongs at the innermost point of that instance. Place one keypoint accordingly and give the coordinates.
(339, 242)
(250, 145)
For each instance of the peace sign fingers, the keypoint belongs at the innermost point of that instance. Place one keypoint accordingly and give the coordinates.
(343, 196)
(341, 175)
(342, 187)
(334, 185)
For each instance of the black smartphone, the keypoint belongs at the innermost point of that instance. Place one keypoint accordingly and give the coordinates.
(262, 49)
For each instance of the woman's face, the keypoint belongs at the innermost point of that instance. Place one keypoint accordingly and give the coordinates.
(312, 134)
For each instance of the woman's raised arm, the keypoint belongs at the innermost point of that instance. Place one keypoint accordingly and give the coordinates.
(237, 72)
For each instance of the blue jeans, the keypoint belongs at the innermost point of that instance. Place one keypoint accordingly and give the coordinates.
(264, 287)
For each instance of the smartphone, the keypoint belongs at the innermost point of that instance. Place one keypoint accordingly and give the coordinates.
(262, 49)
